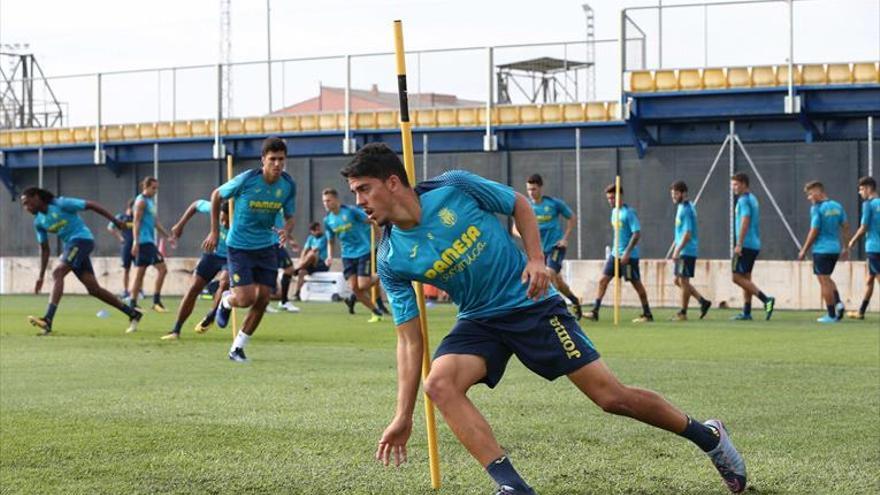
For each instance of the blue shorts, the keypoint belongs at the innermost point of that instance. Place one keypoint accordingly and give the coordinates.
(874, 263)
(554, 258)
(76, 255)
(744, 262)
(209, 266)
(125, 254)
(283, 257)
(629, 272)
(823, 264)
(545, 337)
(249, 266)
(320, 266)
(148, 255)
(685, 266)
(356, 266)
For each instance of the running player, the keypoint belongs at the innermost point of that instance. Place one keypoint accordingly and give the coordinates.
(684, 254)
(311, 260)
(747, 245)
(143, 249)
(870, 228)
(445, 232)
(827, 222)
(252, 260)
(285, 264)
(125, 239)
(58, 215)
(628, 252)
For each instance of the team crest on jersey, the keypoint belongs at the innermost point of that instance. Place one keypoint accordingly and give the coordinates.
(430, 236)
(447, 216)
(278, 193)
(546, 208)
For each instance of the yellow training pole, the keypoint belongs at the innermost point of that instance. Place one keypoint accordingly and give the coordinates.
(408, 161)
(614, 251)
(231, 215)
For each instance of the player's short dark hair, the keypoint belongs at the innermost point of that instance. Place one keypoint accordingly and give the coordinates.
(314, 225)
(272, 144)
(741, 177)
(535, 179)
(148, 181)
(611, 188)
(814, 184)
(44, 195)
(376, 160)
(330, 192)
(868, 182)
(679, 186)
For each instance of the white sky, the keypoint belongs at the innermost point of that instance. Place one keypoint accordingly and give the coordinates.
(104, 35)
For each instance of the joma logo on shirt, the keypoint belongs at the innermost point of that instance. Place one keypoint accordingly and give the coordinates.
(341, 229)
(544, 218)
(55, 227)
(264, 205)
(450, 256)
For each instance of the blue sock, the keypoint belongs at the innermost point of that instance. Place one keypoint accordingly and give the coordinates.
(747, 308)
(706, 438)
(177, 325)
(502, 471)
(50, 312)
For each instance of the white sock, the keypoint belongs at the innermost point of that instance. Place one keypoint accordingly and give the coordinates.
(224, 301)
(241, 340)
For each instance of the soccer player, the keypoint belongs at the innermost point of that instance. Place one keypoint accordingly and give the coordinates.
(747, 245)
(350, 225)
(285, 264)
(252, 260)
(628, 252)
(210, 265)
(124, 236)
(311, 260)
(143, 248)
(444, 232)
(58, 215)
(870, 228)
(827, 222)
(684, 254)
(554, 242)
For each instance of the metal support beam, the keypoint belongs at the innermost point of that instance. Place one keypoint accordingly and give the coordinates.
(731, 229)
(219, 151)
(870, 146)
(99, 157)
(40, 168)
(490, 141)
(425, 156)
(348, 144)
(578, 200)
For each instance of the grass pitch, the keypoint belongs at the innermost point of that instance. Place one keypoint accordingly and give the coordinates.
(92, 410)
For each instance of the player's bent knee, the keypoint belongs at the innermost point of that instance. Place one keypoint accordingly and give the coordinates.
(440, 389)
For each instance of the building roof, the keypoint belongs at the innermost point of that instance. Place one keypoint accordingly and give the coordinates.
(332, 99)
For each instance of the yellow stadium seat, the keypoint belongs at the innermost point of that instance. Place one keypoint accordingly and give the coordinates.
(211, 125)
(467, 117)
(865, 72)
(17, 138)
(130, 132)
(49, 136)
(573, 112)
(340, 121)
(764, 76)
(665, 80)
(641, 81)
(81, 134)
(308, 122)
(165, 130)
(714, 79)
(328, 122)
(387, 120)
(202, 128)
(613, 108)
(597, 111)
(182, 128)
(365, 120)
(271, 125)
(782, 75)
(504, 115)
(290, 123)
(690, 79)
(551, 113)
(234, 126)
(530, 114)
(447, 117)
(64, 135)
(5, 139)
(839, 74)
(739, 77)
(494, 116)
(114, 132)
(424, 118)
(815, 74)
(253, 125)
(147, 131)
(33, 137)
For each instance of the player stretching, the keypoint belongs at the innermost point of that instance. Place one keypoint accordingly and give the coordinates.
(144, 250)
(59, 216)
(311, 260)
(628, 252)
(506, 307)
(252, 262)
(210, 264)
(684, 254)
(827, 222)
(124, 236)
(351, 226)
(747, 245)
(870, 228)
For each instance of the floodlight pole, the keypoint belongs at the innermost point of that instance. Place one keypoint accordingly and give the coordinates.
(870, 146)
(577, 175)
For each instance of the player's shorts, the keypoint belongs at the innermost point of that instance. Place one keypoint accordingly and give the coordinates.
(685, 266)
(209, 266)
(356, 266)
(629, 272)
(319, 266)
(249, 266)
(823, 264)
(283, 257)
(545, 337)
(148, 255)
(743, 263)
(554, 258)
(125, 254)
(76, 255)
(874, 263)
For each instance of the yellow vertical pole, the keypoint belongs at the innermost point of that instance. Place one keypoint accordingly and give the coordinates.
(409, 161)
(231, 216)
(614, 251)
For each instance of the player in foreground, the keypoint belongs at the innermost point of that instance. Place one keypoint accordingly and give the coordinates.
(684, 254)
(827, 222)
(59, 216)
(747, 245)
(143, 249)
(870, 228)
(252, 262)
(313, 256)
(125, 238)
(444, 232)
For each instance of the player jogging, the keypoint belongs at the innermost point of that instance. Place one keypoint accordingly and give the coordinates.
(505, 305)
(124, 236)
(747, 245)
(870, 228)
(313, 256)
(285, 264)
(143, 249)
(684, 253)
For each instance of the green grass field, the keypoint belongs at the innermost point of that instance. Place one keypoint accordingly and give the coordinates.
(92, 410)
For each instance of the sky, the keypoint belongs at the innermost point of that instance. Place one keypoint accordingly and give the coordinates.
(91, 36)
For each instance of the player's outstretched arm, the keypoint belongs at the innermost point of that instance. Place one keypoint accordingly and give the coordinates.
(177, 228)
(210, 242)
(100, 210)
(409, 365)
(527, 225)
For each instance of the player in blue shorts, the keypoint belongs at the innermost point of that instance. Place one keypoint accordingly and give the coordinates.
(870, 228)
(125, 238)
(210, 265)
(827, 222)
(350, 225)
(59, 215)
(444, 232)
(747, 245)
(144, 248)
(628, 252)
(285, 264)
(684, 252)
(312, 258)
(252, 261)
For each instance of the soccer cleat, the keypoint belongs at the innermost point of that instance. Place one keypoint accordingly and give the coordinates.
(221, 316)
(704, 308)
(204, 325)
(41, 323)
(679, 317)
(509, 490)
(375, 318)
(171, 336)
(855, 315)
(839, 310)
(592, 315)
(380, 305)
(271, 309)
(134, 320)
(727, 460)
(768, 307)
(826, 319)
(350, 302)
(237, 355)
(644, 319)
(578, 310)
(289, 307)
(159, 308)
(741, 317)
